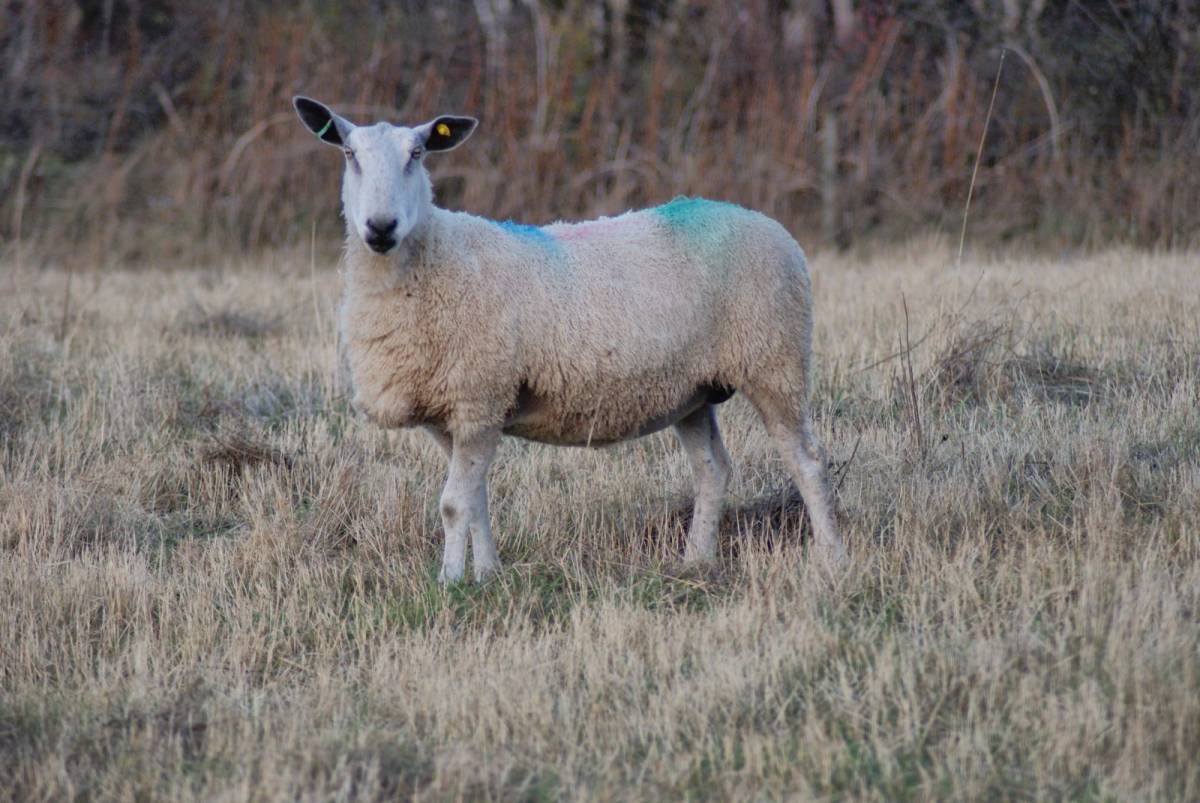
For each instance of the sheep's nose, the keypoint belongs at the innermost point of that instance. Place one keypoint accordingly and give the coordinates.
(381, 227)
(380, 234)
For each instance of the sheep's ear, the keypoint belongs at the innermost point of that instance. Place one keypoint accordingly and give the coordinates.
(447, 132)
(320, 119)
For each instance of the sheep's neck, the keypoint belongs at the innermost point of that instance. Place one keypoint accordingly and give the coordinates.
(372, 272)
(397, 290)
(394, 327)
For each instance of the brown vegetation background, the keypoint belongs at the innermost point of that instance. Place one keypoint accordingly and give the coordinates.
(145, 129)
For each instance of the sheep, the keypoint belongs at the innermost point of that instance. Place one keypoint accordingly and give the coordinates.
(575, 334)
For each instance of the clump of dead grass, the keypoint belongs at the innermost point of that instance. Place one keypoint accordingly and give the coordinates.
(989, 361)
(236, 450)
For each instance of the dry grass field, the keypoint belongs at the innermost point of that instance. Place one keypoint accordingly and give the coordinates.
(217, 583)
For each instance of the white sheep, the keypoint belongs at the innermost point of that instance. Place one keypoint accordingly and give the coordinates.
(578, 334)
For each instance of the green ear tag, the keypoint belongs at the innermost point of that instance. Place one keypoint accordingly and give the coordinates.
(324, 128)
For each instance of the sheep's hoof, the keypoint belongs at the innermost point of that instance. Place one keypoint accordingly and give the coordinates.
(699, 557)
(831, 558)
(704, 570)
(448, 577)
(486, 572)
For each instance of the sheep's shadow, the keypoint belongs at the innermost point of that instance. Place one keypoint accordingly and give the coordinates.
(772, 521)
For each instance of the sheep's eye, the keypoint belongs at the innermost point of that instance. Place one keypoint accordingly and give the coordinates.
(349, 154)
(417, 152)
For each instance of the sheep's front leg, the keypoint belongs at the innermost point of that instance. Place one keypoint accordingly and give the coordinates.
(465, 509)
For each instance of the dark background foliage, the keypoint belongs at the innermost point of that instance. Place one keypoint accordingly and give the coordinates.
(144, 129)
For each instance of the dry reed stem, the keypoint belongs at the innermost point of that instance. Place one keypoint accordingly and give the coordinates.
(962, 237)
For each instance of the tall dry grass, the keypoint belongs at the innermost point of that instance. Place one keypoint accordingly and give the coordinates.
(215, 583)
(135, 130)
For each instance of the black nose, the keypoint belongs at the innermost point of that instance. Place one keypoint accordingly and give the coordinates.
(381, 227)
(380, 234)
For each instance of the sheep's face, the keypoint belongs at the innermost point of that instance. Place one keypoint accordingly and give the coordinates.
(385, 189)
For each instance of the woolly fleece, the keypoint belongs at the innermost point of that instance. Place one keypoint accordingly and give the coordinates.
(579, 333)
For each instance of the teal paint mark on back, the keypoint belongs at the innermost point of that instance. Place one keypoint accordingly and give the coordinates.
(531, 233)
(701, 222)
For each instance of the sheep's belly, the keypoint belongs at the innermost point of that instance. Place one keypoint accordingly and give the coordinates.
(533, 419)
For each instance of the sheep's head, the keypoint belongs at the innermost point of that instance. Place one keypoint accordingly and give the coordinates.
(385, 189)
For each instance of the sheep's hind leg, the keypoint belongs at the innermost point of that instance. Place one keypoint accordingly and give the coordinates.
(464, 509)
(701, 439)
(805, 462)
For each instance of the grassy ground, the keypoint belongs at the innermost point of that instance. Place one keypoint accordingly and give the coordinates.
(215, 582)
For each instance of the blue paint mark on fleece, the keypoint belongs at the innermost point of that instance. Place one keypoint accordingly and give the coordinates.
(531, 233)
(703, 223)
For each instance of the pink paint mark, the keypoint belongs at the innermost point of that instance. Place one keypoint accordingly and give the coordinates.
(590, 228)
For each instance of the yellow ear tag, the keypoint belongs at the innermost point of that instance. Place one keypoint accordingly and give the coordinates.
(443, 129)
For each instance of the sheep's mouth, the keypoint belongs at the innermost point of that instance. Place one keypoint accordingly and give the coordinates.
(380, 244)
